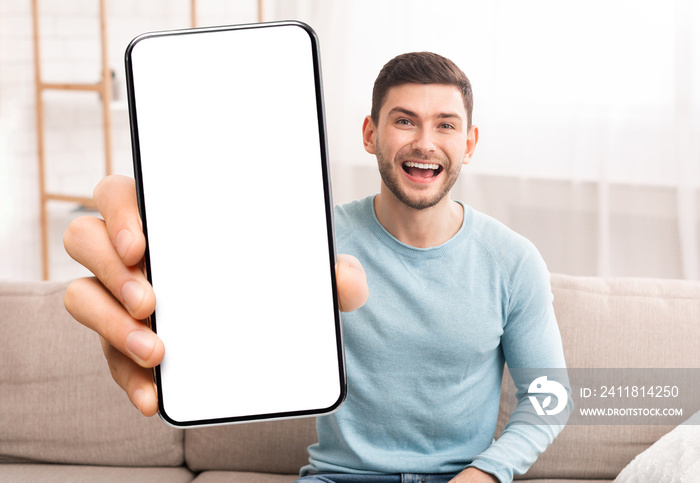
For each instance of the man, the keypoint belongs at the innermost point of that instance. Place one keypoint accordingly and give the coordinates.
(452, 295)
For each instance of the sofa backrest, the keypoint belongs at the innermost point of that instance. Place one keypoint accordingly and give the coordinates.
(58, 402)
(268, 447)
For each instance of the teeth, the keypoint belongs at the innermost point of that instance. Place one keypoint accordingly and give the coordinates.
(412, 164)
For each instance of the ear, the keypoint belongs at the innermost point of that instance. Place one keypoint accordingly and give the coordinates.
(472, 139)
(368, 135)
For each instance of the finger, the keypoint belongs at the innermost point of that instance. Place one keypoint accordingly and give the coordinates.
(351, 280)
(91, 305)
(115, 197)
(136, 381)
(87, 242)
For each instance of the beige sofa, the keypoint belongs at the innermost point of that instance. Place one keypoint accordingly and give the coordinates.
(62, 417)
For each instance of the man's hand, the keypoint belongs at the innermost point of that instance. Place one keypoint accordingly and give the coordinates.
(474, 475)
(119, 297)
(114, 302)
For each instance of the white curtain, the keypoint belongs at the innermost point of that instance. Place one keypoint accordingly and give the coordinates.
(589, 115)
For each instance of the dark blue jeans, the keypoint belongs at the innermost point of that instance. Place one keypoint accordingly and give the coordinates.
(400, 478)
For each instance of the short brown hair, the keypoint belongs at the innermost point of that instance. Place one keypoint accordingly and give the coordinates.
(420, 68)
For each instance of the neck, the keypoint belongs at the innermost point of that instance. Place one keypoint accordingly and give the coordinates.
(425, 228)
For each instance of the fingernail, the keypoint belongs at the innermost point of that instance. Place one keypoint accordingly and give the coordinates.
(132, 294)
(141, 344)
(124, 241)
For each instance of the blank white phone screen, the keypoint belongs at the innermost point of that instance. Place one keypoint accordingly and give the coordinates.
(230, 168)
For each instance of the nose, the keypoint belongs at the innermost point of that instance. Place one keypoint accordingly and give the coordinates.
(423, 141)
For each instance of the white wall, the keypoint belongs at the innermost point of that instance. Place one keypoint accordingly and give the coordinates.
(640, 217)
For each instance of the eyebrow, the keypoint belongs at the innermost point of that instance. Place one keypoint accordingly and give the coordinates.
(408, 112)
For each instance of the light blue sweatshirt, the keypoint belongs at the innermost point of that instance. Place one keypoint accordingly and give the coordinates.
(425, 354)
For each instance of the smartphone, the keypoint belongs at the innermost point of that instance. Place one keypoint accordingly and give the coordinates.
(231, 169)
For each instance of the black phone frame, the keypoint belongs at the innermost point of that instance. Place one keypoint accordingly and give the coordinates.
(327, 188)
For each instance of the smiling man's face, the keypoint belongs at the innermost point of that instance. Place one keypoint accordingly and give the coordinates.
(421, 140)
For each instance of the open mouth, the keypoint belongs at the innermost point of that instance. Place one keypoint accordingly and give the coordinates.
(421, 170)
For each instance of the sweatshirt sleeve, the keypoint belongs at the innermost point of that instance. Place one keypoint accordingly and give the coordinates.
(531, 344)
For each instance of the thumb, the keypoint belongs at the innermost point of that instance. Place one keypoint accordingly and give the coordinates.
(352, 283)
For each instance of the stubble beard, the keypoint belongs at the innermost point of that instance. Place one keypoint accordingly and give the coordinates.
(391, 180)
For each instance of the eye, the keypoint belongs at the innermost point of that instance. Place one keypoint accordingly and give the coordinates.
(404, 122)
(446, 125)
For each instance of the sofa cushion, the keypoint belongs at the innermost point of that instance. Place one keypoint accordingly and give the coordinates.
(243, 477)
(270, 447)
(49, 473)
(59, 403)
(616, 323)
